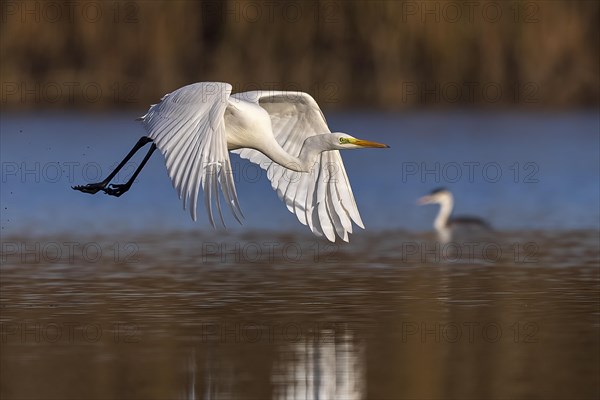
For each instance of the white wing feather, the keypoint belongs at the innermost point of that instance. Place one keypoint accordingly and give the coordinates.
(188, 128)
(321, 199)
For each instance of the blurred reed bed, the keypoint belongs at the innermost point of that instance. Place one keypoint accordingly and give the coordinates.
(389, 54)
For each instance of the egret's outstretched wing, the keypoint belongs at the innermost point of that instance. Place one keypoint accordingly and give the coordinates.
(188, 127)
(321, 199)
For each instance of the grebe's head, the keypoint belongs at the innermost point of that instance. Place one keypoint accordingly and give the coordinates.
(437, 196)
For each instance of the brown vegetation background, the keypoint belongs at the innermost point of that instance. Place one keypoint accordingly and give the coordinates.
(375, 54)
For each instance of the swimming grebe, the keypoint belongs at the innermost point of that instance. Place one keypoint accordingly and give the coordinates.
(445, 222)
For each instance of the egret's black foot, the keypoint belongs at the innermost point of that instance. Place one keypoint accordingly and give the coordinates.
(91, 188)
(116, 190)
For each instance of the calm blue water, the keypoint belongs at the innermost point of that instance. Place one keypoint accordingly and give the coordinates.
(518, 170)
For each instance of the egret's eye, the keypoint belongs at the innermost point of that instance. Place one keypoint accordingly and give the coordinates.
(344, 140)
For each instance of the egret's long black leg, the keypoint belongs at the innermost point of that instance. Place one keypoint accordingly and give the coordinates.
(93, 188)
(117, 190)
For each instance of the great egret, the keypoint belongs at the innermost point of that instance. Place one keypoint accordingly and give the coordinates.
(196, 125)
(444, 223)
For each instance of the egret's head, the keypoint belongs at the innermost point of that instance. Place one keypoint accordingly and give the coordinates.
(437, 196)
(343, 141)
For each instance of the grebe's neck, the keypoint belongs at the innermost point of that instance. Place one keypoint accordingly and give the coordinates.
(446, 205)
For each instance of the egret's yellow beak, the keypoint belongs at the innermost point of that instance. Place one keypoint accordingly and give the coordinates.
(424, 200)
(366, 143)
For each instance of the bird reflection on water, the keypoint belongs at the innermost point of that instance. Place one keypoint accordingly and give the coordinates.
(321, 365)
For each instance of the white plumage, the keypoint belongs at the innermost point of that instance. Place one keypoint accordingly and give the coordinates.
(285, 133)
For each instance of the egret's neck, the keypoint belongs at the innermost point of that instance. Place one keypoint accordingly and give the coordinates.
(312, 147)
(446, 205)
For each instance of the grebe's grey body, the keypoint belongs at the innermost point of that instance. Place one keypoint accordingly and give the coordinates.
(445, 223)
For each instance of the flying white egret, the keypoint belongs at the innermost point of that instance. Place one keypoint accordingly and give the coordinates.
(195, 126)
(444, 223)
